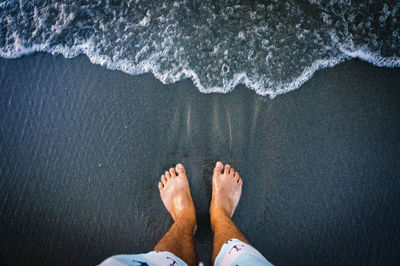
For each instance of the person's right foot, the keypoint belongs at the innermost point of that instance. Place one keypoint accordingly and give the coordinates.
(227, 188)
(175, 194)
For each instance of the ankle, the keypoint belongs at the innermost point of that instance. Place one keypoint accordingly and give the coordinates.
(218, 216)
(186, 223)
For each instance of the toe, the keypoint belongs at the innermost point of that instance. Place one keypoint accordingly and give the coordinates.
(160, 186)
(172, 171)
(167, 175)
(180, 169)
(218, 168)
(237, 177)
(232, 171)
(227, 168)
(163, 179)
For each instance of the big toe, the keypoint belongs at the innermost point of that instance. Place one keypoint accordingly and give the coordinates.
(180, 169)
(218, 168)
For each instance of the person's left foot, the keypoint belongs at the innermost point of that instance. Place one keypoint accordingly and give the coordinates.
(175, 194)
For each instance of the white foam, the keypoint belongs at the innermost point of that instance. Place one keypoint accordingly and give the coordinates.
(143, 62)
(146, 19)
(374, 58)
(150, 65)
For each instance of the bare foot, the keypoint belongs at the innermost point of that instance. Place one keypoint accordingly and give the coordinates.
(227, 188)
(175, 194)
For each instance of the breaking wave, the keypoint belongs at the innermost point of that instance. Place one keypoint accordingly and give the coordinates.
(270, 46)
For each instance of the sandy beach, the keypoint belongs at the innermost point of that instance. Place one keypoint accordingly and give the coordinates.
(82, 149)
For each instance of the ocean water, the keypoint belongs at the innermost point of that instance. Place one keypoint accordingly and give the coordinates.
(270, 46)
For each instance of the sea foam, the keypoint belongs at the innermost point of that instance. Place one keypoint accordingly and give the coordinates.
(271, 48)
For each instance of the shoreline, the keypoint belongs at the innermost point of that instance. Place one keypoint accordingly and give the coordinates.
(239, 79)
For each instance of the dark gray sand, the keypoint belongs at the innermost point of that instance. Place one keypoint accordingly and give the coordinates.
(82, 150)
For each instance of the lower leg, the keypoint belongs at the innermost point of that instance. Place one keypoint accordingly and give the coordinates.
(227, 189)
(224, 230)
(175, 194)
(179, 241)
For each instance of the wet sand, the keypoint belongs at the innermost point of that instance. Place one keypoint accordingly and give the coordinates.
(82, 149)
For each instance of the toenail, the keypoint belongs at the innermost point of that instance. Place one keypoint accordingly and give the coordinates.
(179, 166)
(219, 164)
